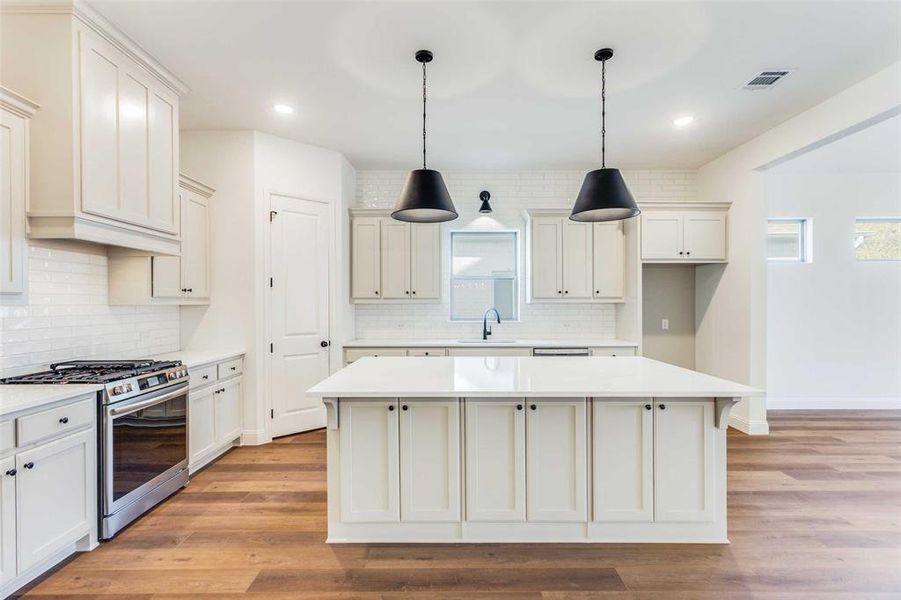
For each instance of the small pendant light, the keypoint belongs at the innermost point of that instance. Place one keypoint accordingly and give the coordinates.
(424, 198)
(485, 208)
(604, 195)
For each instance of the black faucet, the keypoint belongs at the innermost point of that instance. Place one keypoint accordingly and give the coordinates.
(486, 331)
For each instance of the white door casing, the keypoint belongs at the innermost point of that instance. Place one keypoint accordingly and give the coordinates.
(299, 311)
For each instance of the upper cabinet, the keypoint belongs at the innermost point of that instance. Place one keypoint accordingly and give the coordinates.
(690, 234)
(574, 262)
(15, 113)
(137, 277)
(392, 260)
(104, 150)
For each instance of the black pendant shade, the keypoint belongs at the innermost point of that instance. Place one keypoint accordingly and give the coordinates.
(424, 199)
(485, 208)
(604, 197)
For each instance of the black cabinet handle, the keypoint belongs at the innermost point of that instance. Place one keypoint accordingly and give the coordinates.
(407, 292)
(559, 291)
(390, 407)
(566, 292)
(205, 377)
(533, 407)
(647, 407)
(64, 420)
(12, 472)
(597, 291)
(414, 292)
(681, 253)
(688, 253)
(519, 407)
(190, 290)
(663, 407)
(376, 292)
(323, 344)
(184, 289)
(236, 368)
(29, 465)
(404, 407)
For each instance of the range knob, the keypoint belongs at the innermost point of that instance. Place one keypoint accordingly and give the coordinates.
(171, 375)
(118, 390)
(129, 387)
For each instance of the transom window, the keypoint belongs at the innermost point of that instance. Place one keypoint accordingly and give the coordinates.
(788, 240)
(877, 239)
(484, 274)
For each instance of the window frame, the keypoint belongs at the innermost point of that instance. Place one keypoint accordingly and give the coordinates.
(517, 275)
(805, 240)
(858, 220)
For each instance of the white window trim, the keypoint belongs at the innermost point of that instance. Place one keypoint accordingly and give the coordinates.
(806, 242)
(450, 270)
(877, 220)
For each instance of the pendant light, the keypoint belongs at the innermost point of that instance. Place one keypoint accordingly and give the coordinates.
(604, 195)
(485, 208)
(424, 198)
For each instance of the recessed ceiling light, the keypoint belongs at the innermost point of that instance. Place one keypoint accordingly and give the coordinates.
(283, 109)
(684, 121)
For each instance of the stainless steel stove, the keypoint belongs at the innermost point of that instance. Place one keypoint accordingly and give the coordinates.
(142, 431)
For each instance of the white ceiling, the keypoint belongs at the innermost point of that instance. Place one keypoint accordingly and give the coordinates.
(514, 84)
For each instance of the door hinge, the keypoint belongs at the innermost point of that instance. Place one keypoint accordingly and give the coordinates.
(271, 347)
(271, 413)
(272, 214)
(270, 282)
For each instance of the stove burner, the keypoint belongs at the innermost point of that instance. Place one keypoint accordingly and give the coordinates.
(93, 371)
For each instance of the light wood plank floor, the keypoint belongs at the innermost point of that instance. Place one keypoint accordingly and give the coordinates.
(814, 512)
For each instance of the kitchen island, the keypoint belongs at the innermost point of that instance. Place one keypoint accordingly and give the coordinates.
(526, 449)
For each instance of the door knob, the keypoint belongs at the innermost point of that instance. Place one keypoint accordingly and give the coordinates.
(324, 344)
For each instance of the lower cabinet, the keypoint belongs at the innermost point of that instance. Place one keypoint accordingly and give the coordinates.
(7, 519)
(429, 461)
(201, 424)
(214, 411)
(556, 460)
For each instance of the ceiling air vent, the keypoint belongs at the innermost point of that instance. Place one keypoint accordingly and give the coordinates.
(766, 79)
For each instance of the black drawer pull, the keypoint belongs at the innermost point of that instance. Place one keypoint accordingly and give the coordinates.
(29, 465)
(519, 407)
(64, 420)
(12, 472)
(390, 407)
(405, 407)
(205, 377)
(647, 407)
(533, 407)
(663, 407)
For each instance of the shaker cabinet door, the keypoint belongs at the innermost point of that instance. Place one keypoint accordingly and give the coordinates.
(429, 460)
(7, 519)
(661, 235)
(546, 269)
(495, 460)
(14, 175)
(425, 261)
(623, 460)
(609, 261)
(228, 411)
(704, 236)
(366, 258)
(395, 259)
(201, 424)
(577, 260)
(195, 245)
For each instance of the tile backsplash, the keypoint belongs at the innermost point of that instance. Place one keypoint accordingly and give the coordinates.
(511, 193)
(65, 314)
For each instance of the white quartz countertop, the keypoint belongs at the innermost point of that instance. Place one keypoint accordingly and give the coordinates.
(194, 358)
(475, 343)
(564, 376)
(19, 397)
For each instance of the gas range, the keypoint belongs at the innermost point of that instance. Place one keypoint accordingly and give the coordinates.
(122, 379)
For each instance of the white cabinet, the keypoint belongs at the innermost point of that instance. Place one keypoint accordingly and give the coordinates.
(53, 496)
(429, 460)
(556, 457)
(15, 112)
(694, 236)
(574, 262)
(613, 351)
(141, 278)
(353, 354)
(105, 147)
(495, 460)
(370, 463)
(684, 470)
(494, 351)
(201, 424)
(623, 460)
(215, 404)
(393, 260)
(228, 411)
(7, 519)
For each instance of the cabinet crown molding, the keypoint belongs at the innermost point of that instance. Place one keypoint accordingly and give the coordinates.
(676, 206)
(191, 184)
(369, 212)
(17, 103)
(100, 25)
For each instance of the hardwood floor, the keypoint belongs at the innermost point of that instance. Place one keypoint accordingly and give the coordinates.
(814, 512)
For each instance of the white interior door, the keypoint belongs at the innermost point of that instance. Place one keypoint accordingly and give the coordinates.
(299, 314)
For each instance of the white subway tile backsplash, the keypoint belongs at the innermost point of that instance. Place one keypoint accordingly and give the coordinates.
(511, 193)
(67, 315)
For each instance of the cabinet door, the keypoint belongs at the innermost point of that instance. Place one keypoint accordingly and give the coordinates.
(395, 259)
(55, 486)
(369, 461)
(430, 461)
(14, 175)
(577, 259)
(366, 258)
(609, 261)
(425, 261)
(547, 257)
(704, 236)
(7, 519)
(495, 460)
(228, 411)
(661, 235)
(134, 202)
(201, 423)
(195, 245)
(556, 459)
(162, 160)
(623, 460)
(166, 277)
(684, 471)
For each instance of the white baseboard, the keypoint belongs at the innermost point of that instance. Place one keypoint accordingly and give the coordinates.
(749, 427)
(255, 437)
(819, 403)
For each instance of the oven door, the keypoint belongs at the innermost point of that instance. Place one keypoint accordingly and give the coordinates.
(145, 443)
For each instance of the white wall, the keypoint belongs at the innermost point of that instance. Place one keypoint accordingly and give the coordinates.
(66, 315)
(834, 324)
(731, 299)
(511, 193)
(668, 292)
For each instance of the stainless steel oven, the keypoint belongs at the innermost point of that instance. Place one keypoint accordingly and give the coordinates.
(143, 451)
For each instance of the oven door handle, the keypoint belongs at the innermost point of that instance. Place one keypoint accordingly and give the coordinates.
(117, 411)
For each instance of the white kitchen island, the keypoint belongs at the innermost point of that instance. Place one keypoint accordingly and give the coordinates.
(526, 449)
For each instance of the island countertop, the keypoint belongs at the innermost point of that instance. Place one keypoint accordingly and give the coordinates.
(528, 377)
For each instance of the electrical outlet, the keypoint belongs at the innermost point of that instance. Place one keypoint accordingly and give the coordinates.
(664, 324)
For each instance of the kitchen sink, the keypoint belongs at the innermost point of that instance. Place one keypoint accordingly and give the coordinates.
(481, 341)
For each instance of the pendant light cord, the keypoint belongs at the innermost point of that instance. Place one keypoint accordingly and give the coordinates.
(603, 114)
(423, 115)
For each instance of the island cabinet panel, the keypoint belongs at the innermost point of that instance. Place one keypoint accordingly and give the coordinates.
(556, 458)
(495, 460)
(623, 460)
(429, 460)
(370, 464)
(684, 469)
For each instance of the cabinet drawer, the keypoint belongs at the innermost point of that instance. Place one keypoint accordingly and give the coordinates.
(231, 367)
(352, 354)
(202, 376)
(7, 436)
(608, 351)
(56, 421)
(426, 352)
